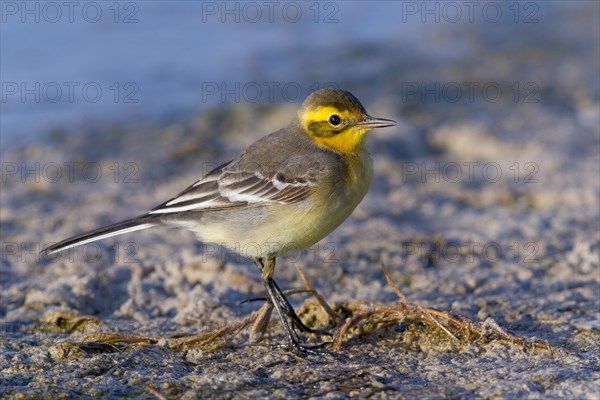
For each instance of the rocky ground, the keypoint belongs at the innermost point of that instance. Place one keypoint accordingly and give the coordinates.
(485, 209)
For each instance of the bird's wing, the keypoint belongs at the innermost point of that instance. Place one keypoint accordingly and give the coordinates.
(227, 187)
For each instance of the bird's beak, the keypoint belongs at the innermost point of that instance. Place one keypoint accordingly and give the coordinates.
(372, 122)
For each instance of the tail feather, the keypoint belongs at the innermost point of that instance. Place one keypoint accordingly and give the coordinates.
(130, 225)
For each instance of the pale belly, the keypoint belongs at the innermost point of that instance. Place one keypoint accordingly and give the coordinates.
(286, 228)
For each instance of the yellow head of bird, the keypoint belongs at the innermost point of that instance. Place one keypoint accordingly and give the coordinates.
(335, 119)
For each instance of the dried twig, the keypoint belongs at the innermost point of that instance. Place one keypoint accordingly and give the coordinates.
(405, 300)
(337, 320)
(369, 315)
(338, 339)
(390, 282)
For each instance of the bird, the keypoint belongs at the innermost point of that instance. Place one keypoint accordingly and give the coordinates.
(283, 193)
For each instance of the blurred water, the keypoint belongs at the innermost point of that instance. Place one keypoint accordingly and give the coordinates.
(157, 59)
(63, 64)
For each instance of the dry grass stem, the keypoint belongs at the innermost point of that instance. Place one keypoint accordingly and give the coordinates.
(362, 318)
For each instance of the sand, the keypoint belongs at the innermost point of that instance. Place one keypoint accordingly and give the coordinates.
(488, 210)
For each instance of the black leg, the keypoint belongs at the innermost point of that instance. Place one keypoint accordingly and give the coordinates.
(289, 311)
(284, 309)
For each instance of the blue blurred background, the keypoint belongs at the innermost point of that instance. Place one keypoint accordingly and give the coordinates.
(70, 64)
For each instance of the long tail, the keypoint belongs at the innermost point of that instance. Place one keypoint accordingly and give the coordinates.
(130, 225)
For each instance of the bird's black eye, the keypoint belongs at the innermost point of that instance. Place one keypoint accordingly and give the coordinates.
(335, 120)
